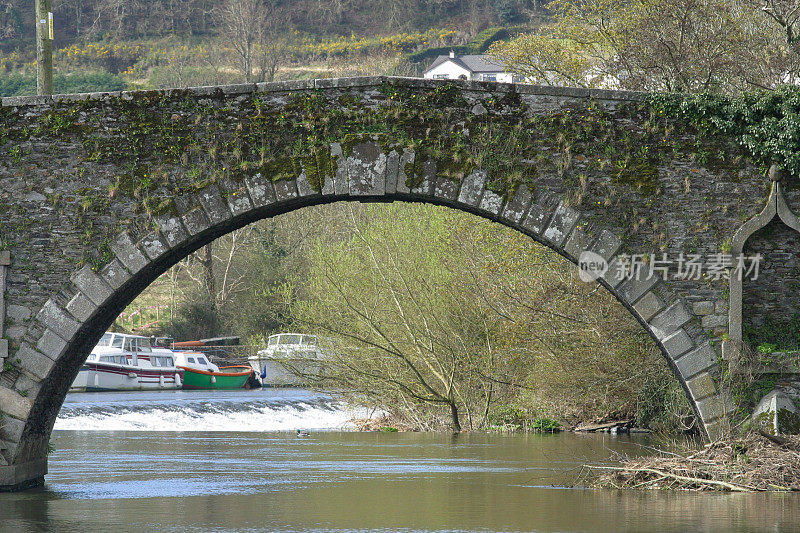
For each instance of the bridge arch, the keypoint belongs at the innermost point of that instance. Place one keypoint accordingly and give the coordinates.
(73, 313)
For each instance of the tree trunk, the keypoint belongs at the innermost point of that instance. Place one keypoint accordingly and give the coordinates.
(454, 416)
(207, 260)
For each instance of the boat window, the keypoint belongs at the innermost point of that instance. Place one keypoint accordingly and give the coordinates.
(202, 360)
(272, 341)
(117, 342)
(168, 361)
(105, 358)
(309, 340)
(290, 339)
(129, 345)
(121, 359)
(105, 340)
(144, 345)
(190, 359)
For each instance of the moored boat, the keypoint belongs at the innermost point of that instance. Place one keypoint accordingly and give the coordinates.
(200, 373)
(127, 362)
(290, 359)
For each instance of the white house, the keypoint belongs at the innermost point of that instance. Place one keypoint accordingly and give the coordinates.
(469, 67)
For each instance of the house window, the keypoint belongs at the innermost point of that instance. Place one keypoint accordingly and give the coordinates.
(441, 76)
(489, 77)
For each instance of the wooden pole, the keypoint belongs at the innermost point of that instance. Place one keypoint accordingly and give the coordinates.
(44, 47)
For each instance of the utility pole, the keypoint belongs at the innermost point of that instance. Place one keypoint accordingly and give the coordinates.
(44, 47)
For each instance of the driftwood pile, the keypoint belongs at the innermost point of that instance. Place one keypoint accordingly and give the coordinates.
(754, 463)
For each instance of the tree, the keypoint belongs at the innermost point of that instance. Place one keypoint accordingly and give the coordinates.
(431, 312)
(400, 334)
(253, 30)
(653, 45)
(786, 14)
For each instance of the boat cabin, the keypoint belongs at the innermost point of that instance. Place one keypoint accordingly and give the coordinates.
(293, 339)
(195, 360)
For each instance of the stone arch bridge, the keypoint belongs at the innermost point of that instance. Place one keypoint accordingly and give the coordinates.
(102, 193)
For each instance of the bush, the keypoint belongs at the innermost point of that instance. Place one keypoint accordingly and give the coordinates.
(85, 82)
(478, 45)
(17, 85)
(546, 424)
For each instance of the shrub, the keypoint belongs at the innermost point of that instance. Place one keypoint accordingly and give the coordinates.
(18, 84)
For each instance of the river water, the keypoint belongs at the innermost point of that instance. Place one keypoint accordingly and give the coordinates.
(229, 461)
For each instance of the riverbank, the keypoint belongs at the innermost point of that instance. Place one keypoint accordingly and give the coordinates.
(754, 463)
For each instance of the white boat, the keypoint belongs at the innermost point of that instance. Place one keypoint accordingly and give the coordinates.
(289, 359)
(128, 362)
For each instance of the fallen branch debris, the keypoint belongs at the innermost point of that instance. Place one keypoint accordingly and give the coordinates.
(754, 463)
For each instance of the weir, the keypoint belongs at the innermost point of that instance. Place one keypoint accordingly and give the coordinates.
(102, 193)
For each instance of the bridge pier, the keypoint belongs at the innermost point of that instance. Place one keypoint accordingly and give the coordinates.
(22, 476)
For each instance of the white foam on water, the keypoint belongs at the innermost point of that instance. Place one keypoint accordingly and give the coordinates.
(242, 417)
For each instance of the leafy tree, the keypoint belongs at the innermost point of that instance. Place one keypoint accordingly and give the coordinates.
(431, 312)
(654, 45)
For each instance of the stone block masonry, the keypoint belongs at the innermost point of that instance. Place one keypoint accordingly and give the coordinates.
(101, 193)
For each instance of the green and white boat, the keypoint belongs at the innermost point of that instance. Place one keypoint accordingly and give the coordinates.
(200, 373)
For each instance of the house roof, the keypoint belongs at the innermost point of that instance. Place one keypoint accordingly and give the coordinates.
(473, 63)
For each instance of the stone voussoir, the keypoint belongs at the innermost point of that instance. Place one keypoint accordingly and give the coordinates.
(128, 254)
(472, 188)
(669, 320)
(53, 317)
(81, 307)
(172, 229)
(563, 222)
(677, 344)
(607, 245)
(698, 360)
(649, 305)
(153, 245)
(577, 243)
(518, 206)
(92, 285)
(196, 221)
(114, 274)
(261, 189)
(33, 362)
(214, 205)
(702, 386)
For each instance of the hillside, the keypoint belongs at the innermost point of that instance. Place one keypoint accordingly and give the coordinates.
(97, 20)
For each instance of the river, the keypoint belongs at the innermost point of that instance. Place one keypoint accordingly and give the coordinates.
(229, 461)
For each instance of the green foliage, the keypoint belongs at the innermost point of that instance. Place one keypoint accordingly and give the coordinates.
(508, 417)
(655, 45)
(766, 124)
(195, 318)
(388, 429)
(432, 53)
(775, 334)
(662, 406)
(545, 425)
(18, 84)
(766, 348)
(478, 45)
